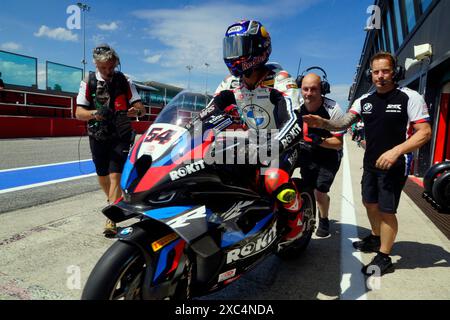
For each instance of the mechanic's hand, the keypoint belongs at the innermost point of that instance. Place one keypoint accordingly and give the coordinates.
(387, 159)
(135, 112)
(313, 121)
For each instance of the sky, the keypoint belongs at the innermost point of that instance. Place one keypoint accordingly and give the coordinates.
(156, 40)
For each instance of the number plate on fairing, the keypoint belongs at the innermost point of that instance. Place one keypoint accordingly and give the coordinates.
(158, 138)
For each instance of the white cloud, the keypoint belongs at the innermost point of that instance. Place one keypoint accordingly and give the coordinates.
(153, 59)
(193, 35)
(57, 34)
(98, 39)
(108, 27)
(12, 46)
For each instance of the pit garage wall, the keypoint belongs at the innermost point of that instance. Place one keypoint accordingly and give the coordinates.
(30, 127)
(430, 30)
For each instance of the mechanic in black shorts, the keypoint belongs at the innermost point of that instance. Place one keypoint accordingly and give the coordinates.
(387, 114)
(106, 99)
(319, 166)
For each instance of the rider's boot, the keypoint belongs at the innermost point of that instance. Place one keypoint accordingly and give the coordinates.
(279, 184)
(291, 204)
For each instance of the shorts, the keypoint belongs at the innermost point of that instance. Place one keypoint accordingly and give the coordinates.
(320, 176)
(109, 156)
(383, 188)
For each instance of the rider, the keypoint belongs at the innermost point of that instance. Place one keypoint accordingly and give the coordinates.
(266, 97)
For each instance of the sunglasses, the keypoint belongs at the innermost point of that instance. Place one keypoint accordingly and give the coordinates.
(100, 50)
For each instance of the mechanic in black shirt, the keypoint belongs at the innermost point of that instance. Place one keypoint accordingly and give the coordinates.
(387, 114)
(319, 166)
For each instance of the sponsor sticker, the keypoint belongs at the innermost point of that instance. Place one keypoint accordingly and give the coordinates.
(234, 29)
(187, 170)
(227, 275)
(253, 247)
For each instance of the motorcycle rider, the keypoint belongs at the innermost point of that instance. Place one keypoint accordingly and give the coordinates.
(265, 97)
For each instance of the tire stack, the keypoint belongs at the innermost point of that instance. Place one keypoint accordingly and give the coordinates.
(437, 187)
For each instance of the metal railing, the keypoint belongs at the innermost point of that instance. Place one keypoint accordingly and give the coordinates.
(28, 105)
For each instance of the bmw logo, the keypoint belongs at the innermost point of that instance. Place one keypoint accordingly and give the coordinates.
(126, 231)
(256, 117)
(367, 107)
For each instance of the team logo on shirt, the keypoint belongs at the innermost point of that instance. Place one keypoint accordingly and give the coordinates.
(397, 108)
(367, 108)
(256, 117)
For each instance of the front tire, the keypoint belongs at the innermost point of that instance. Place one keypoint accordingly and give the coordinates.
(117, 275)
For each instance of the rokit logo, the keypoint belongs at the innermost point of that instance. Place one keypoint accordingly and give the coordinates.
(254, 246)
(295, 131)
(187, 170)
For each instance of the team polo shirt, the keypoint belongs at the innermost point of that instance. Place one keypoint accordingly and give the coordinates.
(387, 118)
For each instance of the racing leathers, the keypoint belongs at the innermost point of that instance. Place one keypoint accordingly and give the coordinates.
(270, 106)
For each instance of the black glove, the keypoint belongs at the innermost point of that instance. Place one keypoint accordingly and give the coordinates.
(316, 139)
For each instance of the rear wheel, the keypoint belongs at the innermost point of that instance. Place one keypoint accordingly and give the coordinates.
(296, 248)
(441, 191)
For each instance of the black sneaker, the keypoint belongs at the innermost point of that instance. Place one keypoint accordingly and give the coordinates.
(380, 265)
(370, 243)
(324, 228)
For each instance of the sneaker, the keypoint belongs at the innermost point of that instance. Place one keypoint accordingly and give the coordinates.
(324, 228)
(370, 243)
(380, 265)
(110, 229)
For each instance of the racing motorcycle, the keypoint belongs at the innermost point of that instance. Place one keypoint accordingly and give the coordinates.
(436, 184)
(199, 226)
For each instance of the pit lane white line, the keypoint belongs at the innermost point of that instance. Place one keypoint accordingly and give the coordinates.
(353, 285)
(44, 165)
(46, 183)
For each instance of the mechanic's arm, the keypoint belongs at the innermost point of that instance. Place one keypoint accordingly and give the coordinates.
(86, 115)
(331, 125)
(421, 136)
(335, 143)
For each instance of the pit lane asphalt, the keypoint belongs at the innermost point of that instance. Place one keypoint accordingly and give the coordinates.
(18, 153)
(45, 247)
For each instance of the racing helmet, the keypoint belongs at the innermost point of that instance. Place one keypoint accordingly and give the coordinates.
(246, 46)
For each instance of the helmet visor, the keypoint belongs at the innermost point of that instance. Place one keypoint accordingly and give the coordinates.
(235, 47)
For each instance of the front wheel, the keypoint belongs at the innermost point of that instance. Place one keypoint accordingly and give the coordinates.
(118, 275)
(296, 248)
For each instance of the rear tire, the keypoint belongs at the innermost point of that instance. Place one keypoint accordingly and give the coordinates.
(296, 248)
(441, 191)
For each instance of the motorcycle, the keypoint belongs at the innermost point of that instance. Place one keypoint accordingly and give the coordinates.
(436, 184)
(201, 226)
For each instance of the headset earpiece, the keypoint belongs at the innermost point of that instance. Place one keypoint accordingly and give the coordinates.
(368, 75)
(325, 87)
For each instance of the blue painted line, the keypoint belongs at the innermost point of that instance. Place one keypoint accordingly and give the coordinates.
(28, 176)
